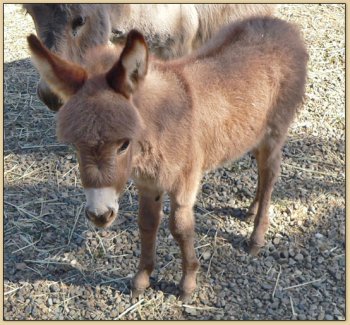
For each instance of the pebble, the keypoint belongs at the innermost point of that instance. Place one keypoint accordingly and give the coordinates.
(302, 317)
(28, 310)
(276, 240)
(114, 313)
(54, 287)
(321, 315)
(291, 252)
(292, 262)
(168, 258)
(104, 233)
(206, 255)
(299, 257)
(266, 286)
(21, 266)
(320, 260)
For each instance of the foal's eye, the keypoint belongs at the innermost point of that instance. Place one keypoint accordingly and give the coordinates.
(123, 147)
(78, 21)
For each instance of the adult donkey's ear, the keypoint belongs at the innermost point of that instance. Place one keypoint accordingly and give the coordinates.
(64, 78)
(132, 65)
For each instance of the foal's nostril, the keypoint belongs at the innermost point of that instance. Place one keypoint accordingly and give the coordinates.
(107, 216)
(100, 220)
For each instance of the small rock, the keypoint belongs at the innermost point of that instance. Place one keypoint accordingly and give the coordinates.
(54, 287)
(168, 258)
(28, 310)
(114, 313)
(320, 260)
(328, 317)
(318, 235)
(299, 257)
(292, 262)
(266, 286)
(104, 233)
(206, 255)
(312, 209)
(21, 266)
(321, 315)
(258, 303)
(276, 241)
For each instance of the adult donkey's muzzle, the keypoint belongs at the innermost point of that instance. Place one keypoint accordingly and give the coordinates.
(45, 94)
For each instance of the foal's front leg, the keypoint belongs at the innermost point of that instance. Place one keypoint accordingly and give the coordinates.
(181, 224)
(150, 213)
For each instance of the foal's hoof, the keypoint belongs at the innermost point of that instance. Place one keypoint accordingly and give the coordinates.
(135, 292)
(254, 248)
(185, 297)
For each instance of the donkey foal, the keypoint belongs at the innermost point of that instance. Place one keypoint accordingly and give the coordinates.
(165, 123)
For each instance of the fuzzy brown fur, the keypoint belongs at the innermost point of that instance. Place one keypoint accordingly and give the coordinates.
(238, 93)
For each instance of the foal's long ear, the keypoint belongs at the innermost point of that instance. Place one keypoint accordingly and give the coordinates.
(64, 78)
(131, 66)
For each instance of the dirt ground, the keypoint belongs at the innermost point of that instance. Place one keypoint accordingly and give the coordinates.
(57, 266)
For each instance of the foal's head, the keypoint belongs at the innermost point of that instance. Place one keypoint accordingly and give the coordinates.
(99, 119)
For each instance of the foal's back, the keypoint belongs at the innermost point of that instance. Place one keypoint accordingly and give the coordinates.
(248, 80)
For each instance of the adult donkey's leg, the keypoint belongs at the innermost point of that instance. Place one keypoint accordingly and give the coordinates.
(150, 213)
(181, 224)
(269, 161)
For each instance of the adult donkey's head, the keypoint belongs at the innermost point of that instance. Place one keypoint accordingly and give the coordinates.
(68, 30)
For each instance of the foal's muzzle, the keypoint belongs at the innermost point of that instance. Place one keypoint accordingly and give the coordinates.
(104, 220)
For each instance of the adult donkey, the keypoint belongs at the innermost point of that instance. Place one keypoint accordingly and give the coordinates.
(165, 123)
(171, 30)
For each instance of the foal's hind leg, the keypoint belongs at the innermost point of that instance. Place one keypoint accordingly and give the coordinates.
(269, 161)
(253, 208)
(150, 213)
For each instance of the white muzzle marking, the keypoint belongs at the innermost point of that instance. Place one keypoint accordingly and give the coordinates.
(99, 200)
